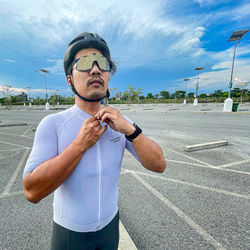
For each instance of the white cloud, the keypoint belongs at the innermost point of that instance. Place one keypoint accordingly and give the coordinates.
(141, 27)
(9, 60)
(202, 2)
(17, 91)
(57, 68)
(241, 12)
(138, 32)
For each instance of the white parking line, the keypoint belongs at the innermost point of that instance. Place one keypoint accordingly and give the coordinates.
(189, 184)
(12, 144)
(12, 155)
(13, 178)
(189, 157)
(11, 134)
(11, 194)
(27, 130)
(210, 166)
(182, 215)
(233, 163)
(183, 162)
(15, 149)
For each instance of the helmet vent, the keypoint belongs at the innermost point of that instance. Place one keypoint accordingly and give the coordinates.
(103, 41)
(78, 39)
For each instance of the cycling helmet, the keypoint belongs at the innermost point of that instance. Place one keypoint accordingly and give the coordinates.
(82, 41)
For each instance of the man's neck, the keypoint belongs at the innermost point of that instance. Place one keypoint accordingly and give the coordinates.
(89, 107)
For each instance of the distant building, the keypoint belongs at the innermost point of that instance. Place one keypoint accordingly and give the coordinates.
(22, 97)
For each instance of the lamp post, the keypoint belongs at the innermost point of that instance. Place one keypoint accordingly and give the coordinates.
(29, 96)
(186, 80)
(236, 37)
(44, 72)
(197, 85)
(57, 97)
(243, 84)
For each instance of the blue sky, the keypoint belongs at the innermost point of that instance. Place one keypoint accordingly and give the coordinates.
(155, 43)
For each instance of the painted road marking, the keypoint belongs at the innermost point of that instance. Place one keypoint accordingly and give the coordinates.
(189, 157)
(15, 149)
(190, 184)
(13, 178)
(233, 163)
(206, 236)
(12, 144)
(11, 194)
(8, 133)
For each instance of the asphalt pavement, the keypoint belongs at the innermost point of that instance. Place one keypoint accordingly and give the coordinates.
(201, 201)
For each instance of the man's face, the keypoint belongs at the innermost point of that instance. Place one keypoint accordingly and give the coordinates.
(93, 84)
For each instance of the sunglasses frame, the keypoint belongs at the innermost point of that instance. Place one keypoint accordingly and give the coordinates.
(94, 62)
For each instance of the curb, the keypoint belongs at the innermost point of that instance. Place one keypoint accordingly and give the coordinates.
(16, 124)
(205, 146)
(125, 242)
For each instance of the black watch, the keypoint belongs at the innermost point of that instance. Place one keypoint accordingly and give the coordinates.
(135, 134)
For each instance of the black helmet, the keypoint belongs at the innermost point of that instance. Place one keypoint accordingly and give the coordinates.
(82, 41)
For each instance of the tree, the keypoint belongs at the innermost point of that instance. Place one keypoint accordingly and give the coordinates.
(165, 94)
(180, 94)
(235, 92)
(6, 92)
(217, 93)
(157, 96)
(150, 96)
(203, 95)
(53, 98)
(132, 93)
(224, 94)
(112, 91)
(190, 95)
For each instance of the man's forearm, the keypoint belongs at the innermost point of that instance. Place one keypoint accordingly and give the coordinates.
(48, 176)
(149, 153)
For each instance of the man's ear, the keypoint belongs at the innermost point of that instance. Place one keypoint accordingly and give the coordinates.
(68, 79)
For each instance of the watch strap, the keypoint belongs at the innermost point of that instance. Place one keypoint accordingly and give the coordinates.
(135, 134)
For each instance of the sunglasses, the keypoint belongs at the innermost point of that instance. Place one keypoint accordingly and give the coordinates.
(85, 63)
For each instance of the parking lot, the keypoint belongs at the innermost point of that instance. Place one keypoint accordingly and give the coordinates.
(201, 201)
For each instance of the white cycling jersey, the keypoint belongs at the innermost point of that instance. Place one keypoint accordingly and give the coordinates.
(88, 199)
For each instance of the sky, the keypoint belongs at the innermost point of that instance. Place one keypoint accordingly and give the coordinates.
(156, 44)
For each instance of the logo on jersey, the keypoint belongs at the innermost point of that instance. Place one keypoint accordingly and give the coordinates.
(116, 139)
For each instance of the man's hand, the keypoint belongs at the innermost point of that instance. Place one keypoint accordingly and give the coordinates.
(115, 120)
(90, 133)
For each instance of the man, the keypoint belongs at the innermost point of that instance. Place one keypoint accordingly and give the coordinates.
(78, 153)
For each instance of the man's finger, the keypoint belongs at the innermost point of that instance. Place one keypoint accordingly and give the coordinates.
(92, 118)
(107, 116)
(102, 131)
(103, 111)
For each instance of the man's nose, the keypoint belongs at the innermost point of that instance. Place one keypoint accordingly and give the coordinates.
(95, 70)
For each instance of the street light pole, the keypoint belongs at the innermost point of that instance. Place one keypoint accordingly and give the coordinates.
(29, 96)
(236, 37)
(186, 80)
(47, 106)
(57, 97)
(232, 70)
(197, 85)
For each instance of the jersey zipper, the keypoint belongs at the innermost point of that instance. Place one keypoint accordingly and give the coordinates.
(100, 175)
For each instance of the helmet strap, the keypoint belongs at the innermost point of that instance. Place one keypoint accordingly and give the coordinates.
(86, 99)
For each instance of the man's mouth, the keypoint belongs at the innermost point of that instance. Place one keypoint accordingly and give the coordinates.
(95, 82)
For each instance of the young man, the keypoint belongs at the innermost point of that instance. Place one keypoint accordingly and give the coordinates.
(78, 153)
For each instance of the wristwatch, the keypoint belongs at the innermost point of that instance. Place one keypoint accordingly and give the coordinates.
(135, 134)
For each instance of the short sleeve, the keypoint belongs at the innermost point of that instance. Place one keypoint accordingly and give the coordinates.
(44, 145)
(129, 146)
